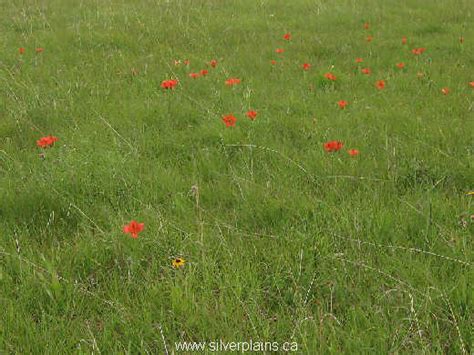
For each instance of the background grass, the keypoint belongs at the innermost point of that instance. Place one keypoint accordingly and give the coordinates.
(284, 241)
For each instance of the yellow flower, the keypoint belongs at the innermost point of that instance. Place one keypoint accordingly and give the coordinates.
(178, 262)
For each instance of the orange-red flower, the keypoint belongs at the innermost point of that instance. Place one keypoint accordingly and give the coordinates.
(306, 66)
(353, 152)
(400, 65)
(359, 60)
(232, 81)
(370, 38)
(366, 26)
(333, 146)
(46, 142)
(330, 76)
(342, 104)
(21, 50)
(213, 63)
(252, 114)
(279, 50)
(204, 72)
(287, 36)
(365, 71)
(133, 228)
(273, 61)
(445, 91)
(186, 62)
(471, 84)
(229, 120)
(39, 50)
(169, 84)
(418, 51)
(380, 84)
(194, 75)
(404, 40)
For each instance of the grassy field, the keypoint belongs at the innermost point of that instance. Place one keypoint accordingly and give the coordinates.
(279, 240)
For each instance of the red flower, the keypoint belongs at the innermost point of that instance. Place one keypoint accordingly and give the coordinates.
(39, 50)
(21, 50)
(133, 228)
(366, 26)
(229, 120)
(353, 152)
(342, 104)
(370, 38)
(400, 65)
(186, 62)
(380, 84)
(194, 75)
(287, 36)
(273, 62)
(204, 72)
(333, 146)
(213, 63)
(445, 91)
(471, 84)
(359, 60)
(252, 114)
(418, 51)
(232, 81)
(46, 142)
(404, 40)
(306, 66)
(365, 71)
(330, 76)
(279, 50)
(169, 84)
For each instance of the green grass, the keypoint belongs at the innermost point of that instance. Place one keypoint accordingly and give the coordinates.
(283, 241)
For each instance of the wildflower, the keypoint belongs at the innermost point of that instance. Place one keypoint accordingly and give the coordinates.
(133, 228)
(273, 62)
(252, 114)
(39, 50)
(380, 84)
(186, 62)
(169, 84)
(370, 38)
(194, 75)
(342, 104)
(330, 76)
(366, 26)
(418, 51)
(306, 66)
(400, 65)
(21, 50)
(178, 262)
(353, 152)
(279, 50)
(359, 60)
(471, 84)
(232, 81)
(229, 120)
(333, 146)
(365, 71)
(404, 40)
(46, 142)
(213, 63)
(287, 36)
(445, 91)
(204, 72)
